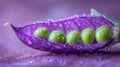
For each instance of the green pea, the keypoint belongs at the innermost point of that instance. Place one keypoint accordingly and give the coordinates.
(57, 36)
(87, 36)
(73, 37)
(41, 33)
(103, 33)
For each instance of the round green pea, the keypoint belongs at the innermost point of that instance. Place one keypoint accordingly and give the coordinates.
(41, 33)
(87, 36)
(57, 36)
(73, 37)
(103, 33)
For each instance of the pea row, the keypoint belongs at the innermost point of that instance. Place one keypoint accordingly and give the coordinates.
(87, 36)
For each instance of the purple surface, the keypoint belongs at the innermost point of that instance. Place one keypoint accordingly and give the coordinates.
(25, 34)
(96, 59)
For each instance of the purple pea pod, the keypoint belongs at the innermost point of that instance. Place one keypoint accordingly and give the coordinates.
(25, 33)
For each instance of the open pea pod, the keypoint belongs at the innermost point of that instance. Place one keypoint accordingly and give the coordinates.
(79, 23)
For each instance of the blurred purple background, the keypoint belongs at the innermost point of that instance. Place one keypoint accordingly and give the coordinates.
(22, 12)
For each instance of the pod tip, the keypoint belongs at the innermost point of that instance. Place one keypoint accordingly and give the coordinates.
(7, 24)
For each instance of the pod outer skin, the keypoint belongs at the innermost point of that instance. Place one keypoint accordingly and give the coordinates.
(73, 23)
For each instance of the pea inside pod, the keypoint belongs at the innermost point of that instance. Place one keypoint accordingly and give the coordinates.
(57, 36)
(41, 33)
(103, 33)
(73, 37)
(87, 36)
